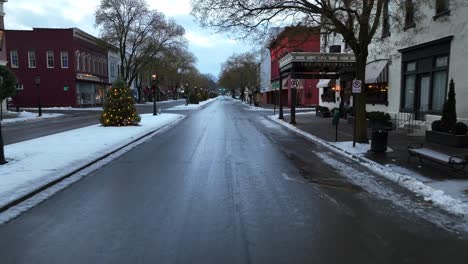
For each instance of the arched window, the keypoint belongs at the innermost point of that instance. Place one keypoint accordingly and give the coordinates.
(88, 58)
(77, 58)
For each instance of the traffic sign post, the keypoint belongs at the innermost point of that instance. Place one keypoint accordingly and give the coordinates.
(356, 89)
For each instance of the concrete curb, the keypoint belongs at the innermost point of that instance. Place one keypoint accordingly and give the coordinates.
(444, 201)
(68, 175)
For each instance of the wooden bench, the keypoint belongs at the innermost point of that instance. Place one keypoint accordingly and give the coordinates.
(455, 162)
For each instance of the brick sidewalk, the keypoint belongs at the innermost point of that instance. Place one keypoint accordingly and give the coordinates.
(432, 174)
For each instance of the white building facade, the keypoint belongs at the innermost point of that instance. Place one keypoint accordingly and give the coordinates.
(424, 56)
(411, 64)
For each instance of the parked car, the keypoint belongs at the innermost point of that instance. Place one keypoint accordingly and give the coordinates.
(9, 102)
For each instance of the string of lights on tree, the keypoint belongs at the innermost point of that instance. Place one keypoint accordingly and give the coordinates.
(119, 109)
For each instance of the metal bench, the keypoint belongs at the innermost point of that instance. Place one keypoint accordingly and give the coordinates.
(455, 162)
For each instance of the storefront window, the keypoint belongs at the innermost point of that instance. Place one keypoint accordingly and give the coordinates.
(425, 76)
(410, 84)
(328, 95)
(439, 90)
(377, 93)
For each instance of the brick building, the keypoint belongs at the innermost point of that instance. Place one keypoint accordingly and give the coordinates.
(292, 39)
(71, 64)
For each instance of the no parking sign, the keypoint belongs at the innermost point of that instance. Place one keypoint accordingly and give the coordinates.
(357, 85)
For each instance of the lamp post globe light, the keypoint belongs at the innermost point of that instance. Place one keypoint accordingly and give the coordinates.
(155, 109)
(37, 82)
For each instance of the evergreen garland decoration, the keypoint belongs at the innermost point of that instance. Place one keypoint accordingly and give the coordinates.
(119, 108)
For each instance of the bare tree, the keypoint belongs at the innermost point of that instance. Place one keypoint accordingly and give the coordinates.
(356, 20)
(7, 89)
(240, 72)
(139, 33)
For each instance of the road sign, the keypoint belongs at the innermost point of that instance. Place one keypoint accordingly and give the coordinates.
(294, 83)
(357, 85)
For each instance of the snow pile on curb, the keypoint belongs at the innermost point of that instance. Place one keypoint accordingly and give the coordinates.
(257, 108)
(35, 163)
(161, 102)
(67, 108)
(429, 194)
(26, 116)
(192, 106)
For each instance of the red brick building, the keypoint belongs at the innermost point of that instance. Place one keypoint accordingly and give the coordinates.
(291, 39)
(71, 64)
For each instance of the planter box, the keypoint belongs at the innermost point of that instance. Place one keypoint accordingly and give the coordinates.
(447, 139)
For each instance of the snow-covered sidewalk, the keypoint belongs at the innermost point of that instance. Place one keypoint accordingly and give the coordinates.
(27, 116)
(192, 106)
(37, 162)
(406, 179)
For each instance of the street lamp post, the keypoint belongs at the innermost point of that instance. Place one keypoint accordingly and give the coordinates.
(37, 82)
(187, 94)
(155, 109)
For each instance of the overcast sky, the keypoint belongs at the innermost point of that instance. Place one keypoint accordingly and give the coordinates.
(210, 49)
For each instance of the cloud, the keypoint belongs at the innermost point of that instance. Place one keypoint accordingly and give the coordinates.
(171, 7)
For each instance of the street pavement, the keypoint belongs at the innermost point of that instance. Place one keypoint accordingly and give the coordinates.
(21, 131)
(228, 186)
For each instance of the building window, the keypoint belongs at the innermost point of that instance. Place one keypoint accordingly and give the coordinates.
(64, 56)
(442, 7)
(409, 14)
(83, 62)
(112, 69)
(425, 84)
(377, 93)
(19, 87)
(328, 94)
(77, 58)
(14, 59)
(89, 63)
(32, 59)
(386, 20)
(50, 59)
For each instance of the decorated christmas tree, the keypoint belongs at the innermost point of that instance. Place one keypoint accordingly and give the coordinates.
(119, 109)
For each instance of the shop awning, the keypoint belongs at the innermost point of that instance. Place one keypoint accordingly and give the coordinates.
(377, 72)
(323, 83)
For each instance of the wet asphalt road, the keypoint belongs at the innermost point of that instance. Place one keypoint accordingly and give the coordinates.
(21, 131)
(225, 186)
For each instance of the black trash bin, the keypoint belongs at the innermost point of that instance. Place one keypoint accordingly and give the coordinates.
(379, 140)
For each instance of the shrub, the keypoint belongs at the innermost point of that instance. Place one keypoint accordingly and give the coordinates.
(449, 115)
(460, 128)
(436, 126)
(193, 98)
